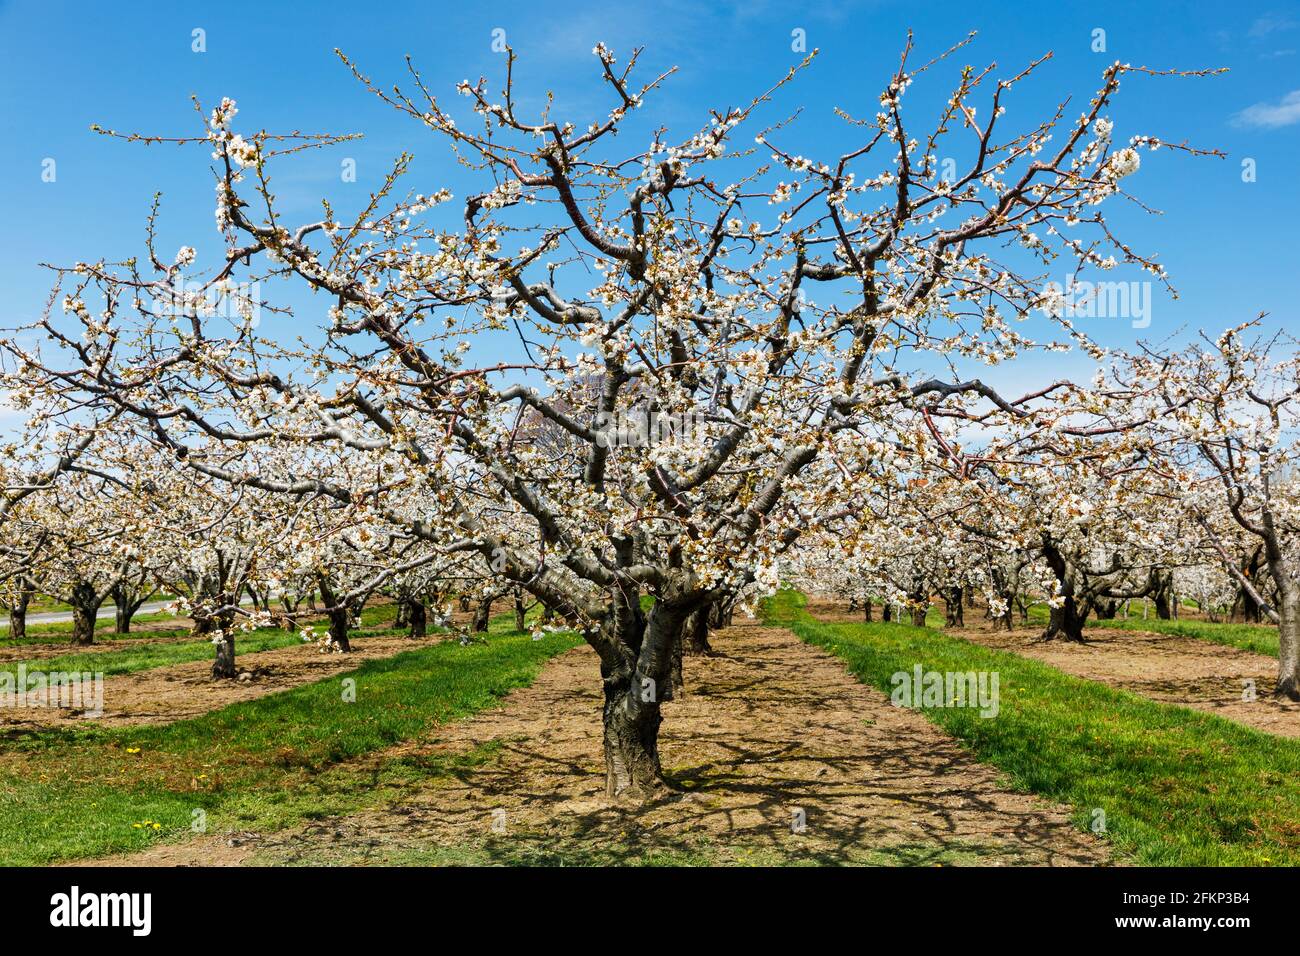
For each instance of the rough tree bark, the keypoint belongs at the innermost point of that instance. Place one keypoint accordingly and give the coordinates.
(1162, 595)
(1288, 634)
(1245, 609)
(1066, 622)
(417, 618)
(482, 616)
(207, 627)
(85, 608)
(126, 603)
(521, 611)
(953, 601)
(695, 632)
(340, 618)
(287, 618)
(223, 665)
(636, 678)
(721, 610)
(18, 614)
(338, 614)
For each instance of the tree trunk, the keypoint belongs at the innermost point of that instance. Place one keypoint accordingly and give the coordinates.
(866, 610)
(521, 612)
(287, 617)
(1107, 610)
(126, 602)
(720, 613)
(340, 619)
(223, 665)
(482, 616)
(631, 713)
(887, 612)
(1066, 623)
(418, 618)
(1161, 596)
(919, 611)
(403, 618)
(1162, 606)
(952, 600)
(676, 680)
(85, 607)
(18, 616)
(631, 738)
(1288, 640)
(695, 632)
(1245, 610)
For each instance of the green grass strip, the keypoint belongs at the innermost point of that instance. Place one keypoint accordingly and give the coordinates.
(264, 763)
(1178, 787)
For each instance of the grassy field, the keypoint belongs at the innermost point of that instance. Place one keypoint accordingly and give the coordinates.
(1177, 787)
(266, 763)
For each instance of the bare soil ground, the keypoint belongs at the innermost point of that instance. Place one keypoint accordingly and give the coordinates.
(164, 694)
(1163, 667)
(771, 731)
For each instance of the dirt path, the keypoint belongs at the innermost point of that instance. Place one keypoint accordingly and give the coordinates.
(178, 691)
(770, 728)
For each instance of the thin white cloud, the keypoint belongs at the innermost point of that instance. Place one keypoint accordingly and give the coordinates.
(1270, 23)
(1284, 112)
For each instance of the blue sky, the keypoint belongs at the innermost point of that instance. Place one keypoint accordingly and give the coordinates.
(130, 66)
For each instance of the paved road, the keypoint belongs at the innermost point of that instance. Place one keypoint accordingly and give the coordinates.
(59, 617)
(108, 610)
